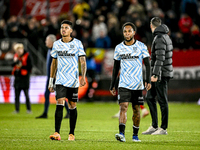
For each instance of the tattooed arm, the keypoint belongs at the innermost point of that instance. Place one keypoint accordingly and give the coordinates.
(82, 60)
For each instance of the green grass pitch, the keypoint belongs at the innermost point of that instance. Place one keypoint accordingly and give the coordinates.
(95, 129)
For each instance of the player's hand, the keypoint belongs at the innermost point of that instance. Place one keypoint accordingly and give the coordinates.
(153, 79)
(19, 65)
(113, 91)
(50, 87)
(82, 82)
(147, 86)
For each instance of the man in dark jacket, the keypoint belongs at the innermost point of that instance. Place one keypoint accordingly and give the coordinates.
(162, 71)
(22, 66)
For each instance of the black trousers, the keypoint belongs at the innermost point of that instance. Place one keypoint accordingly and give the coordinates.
(17, 101)
(159, 89)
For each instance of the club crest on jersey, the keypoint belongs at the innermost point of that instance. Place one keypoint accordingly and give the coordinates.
(71, 46)
(134, 49)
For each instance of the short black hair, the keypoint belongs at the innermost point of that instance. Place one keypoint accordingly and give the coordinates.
(156, 21)
(129, 24)
(67, 22)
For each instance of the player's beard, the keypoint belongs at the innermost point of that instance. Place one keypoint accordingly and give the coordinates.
(64, 35)
(129, 39)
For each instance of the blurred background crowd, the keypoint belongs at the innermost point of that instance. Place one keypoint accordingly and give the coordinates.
(97, 23)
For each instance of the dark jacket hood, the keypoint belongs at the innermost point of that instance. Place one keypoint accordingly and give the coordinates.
(163, 29)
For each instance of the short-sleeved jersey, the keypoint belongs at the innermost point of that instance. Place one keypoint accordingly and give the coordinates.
(131, 58)
(67, 55)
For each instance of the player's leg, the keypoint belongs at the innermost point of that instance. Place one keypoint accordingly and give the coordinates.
(136, 122)
(151, 101)
(124, 97)
(161, 89)
(17, 94)
(46, 103)
(137, 101)
(72, 119)
(122, 121)
(46, 95)
(58, 118)
(60, 101)
(72, 100)
(28, 104)
(67, 109)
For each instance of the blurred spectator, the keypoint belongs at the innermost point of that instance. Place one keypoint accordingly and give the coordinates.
(21, 70)
(132, 17)
(93, 5)
(140, 33)
(12, 27)
(148, 5)
(113, 28)
(87, 40)
(98, 26)
(32, 33)
(23, 28)
(190, 7)
(118, 9)
(171, 21)
(79, 8)
(156, 11)
(53, 26)
(178, 40)
(91, 74)
(103, 41)
(135, 6)
(185, 23)
(195, 37)
(2, 29)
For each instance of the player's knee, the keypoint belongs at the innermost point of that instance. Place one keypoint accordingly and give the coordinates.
(123, 107)
(61, 101)
(72, 105)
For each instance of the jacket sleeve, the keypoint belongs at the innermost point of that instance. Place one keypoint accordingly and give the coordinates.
(160, 49)
(148, 69)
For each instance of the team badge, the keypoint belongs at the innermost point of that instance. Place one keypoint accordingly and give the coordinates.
(71, 46)
(134, 49)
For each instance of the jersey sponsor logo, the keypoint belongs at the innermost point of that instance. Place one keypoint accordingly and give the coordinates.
(64, 53)
(140, 98)
(128, 56)
(75, 94)
(60, 46)
(123, 49)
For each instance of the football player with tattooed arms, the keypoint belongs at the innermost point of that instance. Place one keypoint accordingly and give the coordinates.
(128, 58)
(66, 53)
